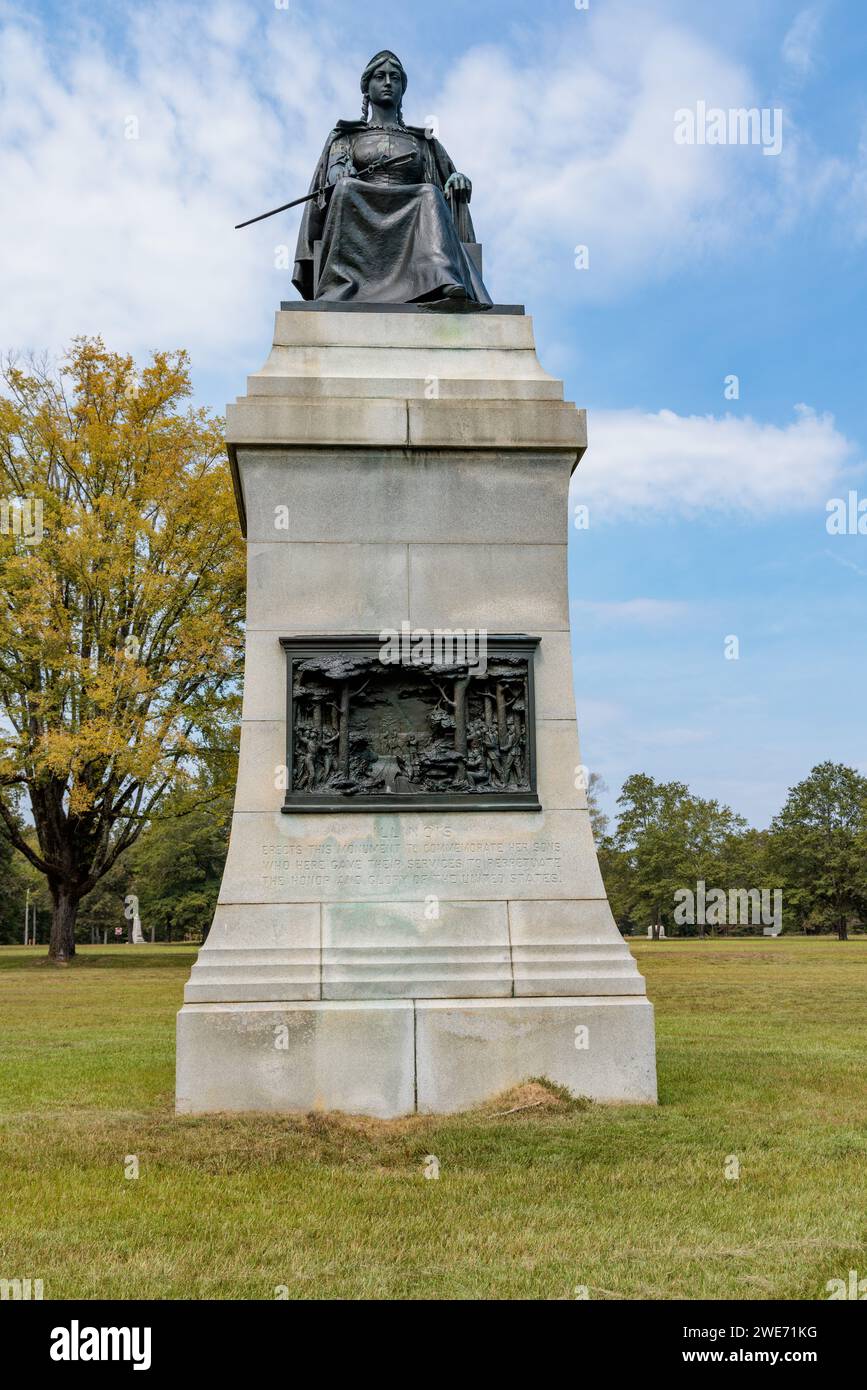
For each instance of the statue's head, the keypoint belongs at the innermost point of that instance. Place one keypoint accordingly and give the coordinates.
(383, 82)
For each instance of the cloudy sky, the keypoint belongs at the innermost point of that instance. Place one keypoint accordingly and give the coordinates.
(133, 137)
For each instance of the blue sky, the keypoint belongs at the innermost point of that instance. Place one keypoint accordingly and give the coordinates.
(707, 515)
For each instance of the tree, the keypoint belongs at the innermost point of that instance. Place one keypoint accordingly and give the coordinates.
(818, 842)
(177, 866)
(120, 640)
(597, 787)
(667, 839)
(14, 878)
(101, 912)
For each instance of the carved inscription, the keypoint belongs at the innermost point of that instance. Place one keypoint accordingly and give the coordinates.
(375, 863)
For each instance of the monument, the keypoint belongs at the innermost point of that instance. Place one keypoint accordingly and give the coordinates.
(412, 915)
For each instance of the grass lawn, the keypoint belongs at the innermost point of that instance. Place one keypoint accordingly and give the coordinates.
(762, 1051)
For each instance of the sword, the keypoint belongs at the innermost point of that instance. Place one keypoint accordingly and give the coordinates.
(318, 192)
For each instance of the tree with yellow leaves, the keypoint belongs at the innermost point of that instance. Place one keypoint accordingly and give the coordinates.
(123, 597)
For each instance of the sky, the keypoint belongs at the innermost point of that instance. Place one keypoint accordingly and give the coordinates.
(712, 325)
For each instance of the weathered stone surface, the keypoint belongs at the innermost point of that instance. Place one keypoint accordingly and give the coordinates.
(456, 387)
(260, 952)
(403, 333)
(469, 1050)
(401, 950)
(261, 766)
(398, 496)
(363, 1056)
(264, 676)
(324, 587)
(354, 1057)
(558, 760)
(473, 855)
(554, 694)
(407, 468)
(496, 425)
(561, 921)
(354, 422)
(503, 588)
(405, 380)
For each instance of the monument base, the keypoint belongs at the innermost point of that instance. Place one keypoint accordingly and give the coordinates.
(390, 1057)
(387, 941)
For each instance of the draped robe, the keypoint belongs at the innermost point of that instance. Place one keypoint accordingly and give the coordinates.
(392, 237)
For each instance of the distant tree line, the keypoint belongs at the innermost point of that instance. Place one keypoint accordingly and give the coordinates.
(665, 840)
(121, 643)
(173, 871)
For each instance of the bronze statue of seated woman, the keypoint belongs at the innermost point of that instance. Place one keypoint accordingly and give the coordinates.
(392, 225)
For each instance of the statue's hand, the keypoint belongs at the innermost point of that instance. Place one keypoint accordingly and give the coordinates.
(343, 171)
(459, 183)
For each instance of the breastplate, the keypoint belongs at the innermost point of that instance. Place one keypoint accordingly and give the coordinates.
(373, 145)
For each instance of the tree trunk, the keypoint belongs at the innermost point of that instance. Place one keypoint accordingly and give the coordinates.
(842, 930)
(61, 946)
(501, 713)
(461, 686)
(343, 741)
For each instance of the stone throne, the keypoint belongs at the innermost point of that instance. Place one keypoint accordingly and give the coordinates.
(400, 467)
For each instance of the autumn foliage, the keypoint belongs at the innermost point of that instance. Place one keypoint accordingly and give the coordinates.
(121, 627)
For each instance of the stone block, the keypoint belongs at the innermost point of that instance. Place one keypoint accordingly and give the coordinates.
(398, 950)
(259, 952)
(497, 425)
(470, 1050)
(391, 496)
(475, 856)
(285, 1057)
(404, 332)
(553, 677)
(558, 764)
(502, 588)
(326, 588)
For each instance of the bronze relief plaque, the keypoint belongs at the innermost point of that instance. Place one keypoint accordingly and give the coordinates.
(425, 721)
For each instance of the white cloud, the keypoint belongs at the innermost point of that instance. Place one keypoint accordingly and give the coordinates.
(568, 142)
(642, 612)
(800, 40)
(575, 146)
(675, 464)
(133, 237)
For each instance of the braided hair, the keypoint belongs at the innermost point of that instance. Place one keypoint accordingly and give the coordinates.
(365, 111)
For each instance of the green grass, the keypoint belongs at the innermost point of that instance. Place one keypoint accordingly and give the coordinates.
(762, 1049)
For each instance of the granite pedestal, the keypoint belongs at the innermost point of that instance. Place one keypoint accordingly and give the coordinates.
(395, 468)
